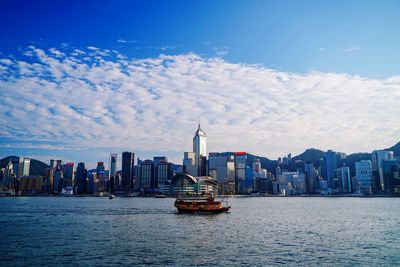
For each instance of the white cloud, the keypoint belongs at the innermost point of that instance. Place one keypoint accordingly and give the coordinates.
(349, 49)
(322, 49)
(123, 41)
(155, 103)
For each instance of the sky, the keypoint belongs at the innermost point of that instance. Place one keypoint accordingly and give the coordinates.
(82, 79)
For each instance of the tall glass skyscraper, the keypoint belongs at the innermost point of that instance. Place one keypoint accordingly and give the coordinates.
(80, 178)
(330, 168)
(364, 177)
(200, 148)
(128, 162)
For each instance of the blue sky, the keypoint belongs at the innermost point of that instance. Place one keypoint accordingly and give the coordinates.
(273, 51)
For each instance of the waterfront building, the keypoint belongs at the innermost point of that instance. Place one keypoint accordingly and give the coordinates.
(80, 179)
(364, 177)
(310, 177)
(163, 173)
(183, 183)
(91, 180)
(330, 165)
(377, 157)
(240, 172)
(101, 184)
(292, 183)
(113, 171)
(56, 176)
(343, 175)
(147, 176)
(128, 162)
(9, 178)
(189, 163)
(68, 173)
(30, 185)
(23, 167)
(391, 178)
(222, 169)
(200, 150)
(260, 175)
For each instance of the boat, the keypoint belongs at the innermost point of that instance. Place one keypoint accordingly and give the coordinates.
(111, 196)
(200, 204)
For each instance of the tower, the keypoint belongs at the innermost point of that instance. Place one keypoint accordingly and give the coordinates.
(200, 148)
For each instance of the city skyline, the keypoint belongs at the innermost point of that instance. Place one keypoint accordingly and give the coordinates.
(81, 99)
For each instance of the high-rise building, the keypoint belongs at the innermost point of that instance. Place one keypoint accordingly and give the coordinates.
(343, 175)
(147, 176)
(222, 169)
(292, 183)
(113, 165)
(128, 163)
(91, 178)
(310, 177)
(80, 179)
(23, 166)
(330, 168)
(57, 176)
(259, 176)
(113, 172)
(101, 185)
(391, 177)
(377, 157)
(189, 163)
(163, 174)
(240, 172)
(68, 173)
(9, 178)
(200, 148)
(364, 177)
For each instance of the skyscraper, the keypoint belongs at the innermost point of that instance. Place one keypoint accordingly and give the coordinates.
(56, 175)
(310, 177)
(200, 148)
(391, 177)
(364, 177)
(377, 157)
(68, 173)
(80, 178)
(189, 163)
(343, 175)
(101, 177)
(240, 172)
(147, 175)
(128, 162)
(113, 172)
(330, 168)
(23, 166)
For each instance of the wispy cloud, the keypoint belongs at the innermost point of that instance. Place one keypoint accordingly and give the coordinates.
(322, 49)
(123, 41)
(99, 98)
(351, 49)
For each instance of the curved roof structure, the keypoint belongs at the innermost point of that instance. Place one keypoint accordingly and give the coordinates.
(195, 180)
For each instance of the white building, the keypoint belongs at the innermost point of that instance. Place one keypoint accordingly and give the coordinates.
(364, 177)
(199, 148)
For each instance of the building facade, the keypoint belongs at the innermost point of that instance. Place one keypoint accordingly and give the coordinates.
(128, 163)
(364, 177)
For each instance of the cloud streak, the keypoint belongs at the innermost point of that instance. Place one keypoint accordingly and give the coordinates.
(99, 98)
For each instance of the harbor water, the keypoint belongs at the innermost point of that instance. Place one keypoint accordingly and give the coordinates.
(259, 231)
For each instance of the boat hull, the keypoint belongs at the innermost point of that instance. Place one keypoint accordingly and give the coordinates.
(201, 210)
